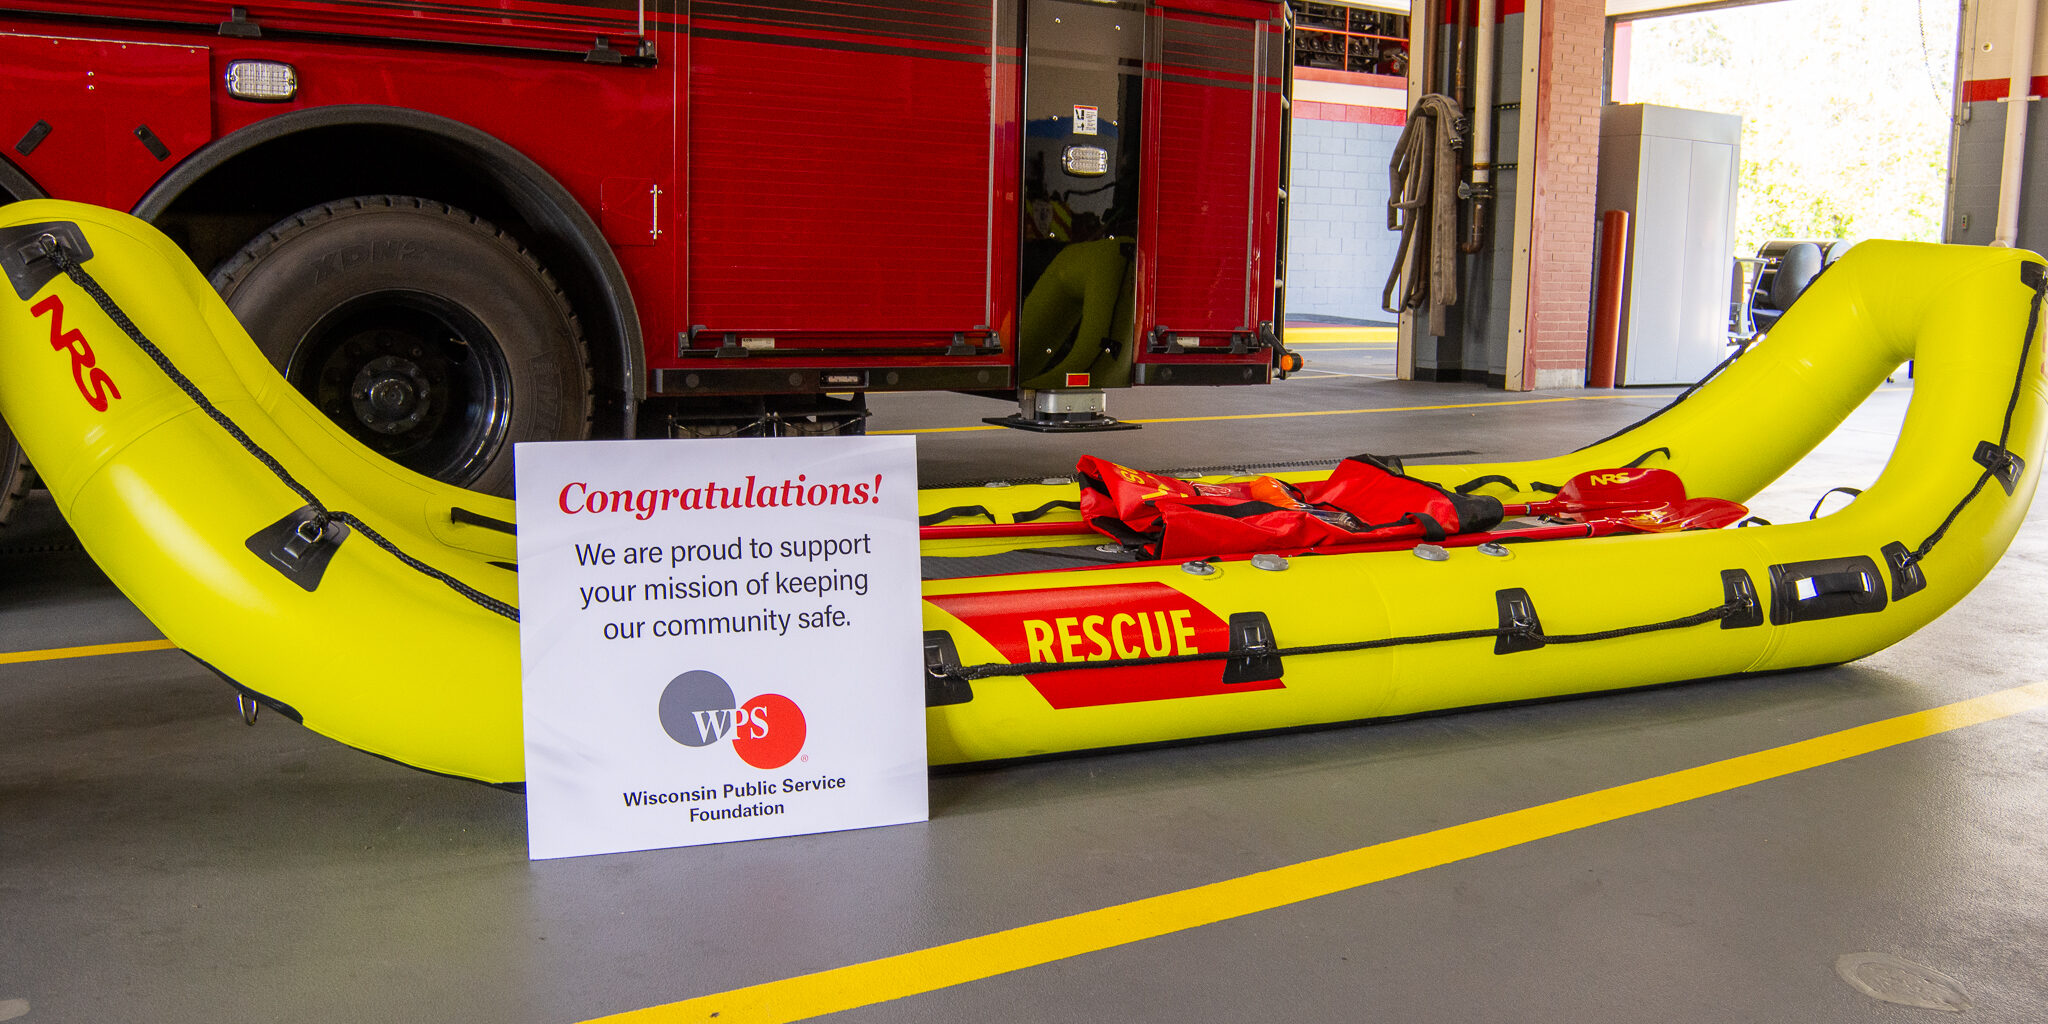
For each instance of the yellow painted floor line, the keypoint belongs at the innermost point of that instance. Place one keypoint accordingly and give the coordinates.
(1310, 412)
(1404, 408)
(957, 963)
(91, 651)
(1335, 334)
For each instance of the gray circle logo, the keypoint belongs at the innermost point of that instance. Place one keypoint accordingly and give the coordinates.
(697, 708)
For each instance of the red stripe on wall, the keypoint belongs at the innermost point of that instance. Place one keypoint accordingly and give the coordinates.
(1311, 110)
(1988, 90)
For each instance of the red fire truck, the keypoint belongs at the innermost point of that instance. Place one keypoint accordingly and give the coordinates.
(463, 224)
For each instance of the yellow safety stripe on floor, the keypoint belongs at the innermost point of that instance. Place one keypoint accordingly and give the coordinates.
(1340, 335)
(1310, 412)
(1404, 408)
(90, 651)
(1330, 412)
(957, 963)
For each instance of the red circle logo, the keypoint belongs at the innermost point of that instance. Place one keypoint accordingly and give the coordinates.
(770, 731)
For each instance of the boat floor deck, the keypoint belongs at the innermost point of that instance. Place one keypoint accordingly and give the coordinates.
(1680, 854)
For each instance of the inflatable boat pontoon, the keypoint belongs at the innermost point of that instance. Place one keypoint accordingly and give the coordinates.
(375, 605)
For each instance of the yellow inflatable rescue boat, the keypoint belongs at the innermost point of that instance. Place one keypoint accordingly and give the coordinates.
(375, 605)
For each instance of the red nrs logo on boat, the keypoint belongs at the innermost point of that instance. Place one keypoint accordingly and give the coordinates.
(93, 382)
(1069, 625)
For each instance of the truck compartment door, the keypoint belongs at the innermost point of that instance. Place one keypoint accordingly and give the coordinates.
(839, 182)
(1215, 126)
(1084, 90)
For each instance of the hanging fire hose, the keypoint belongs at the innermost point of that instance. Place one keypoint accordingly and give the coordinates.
(1423, 206)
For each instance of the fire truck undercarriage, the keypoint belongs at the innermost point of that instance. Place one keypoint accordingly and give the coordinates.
(455, 227)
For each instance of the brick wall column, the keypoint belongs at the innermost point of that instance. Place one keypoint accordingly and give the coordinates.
(1572, 34)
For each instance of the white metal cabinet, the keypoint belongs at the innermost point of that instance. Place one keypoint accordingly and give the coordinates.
(1674, 171)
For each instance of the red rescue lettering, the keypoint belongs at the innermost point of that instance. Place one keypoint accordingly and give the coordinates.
(1101, 638)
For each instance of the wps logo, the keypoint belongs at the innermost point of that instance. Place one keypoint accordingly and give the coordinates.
(697, 710)
(93, 382)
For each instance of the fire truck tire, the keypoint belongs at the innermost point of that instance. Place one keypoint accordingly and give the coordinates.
(15, 475)
(425, 332)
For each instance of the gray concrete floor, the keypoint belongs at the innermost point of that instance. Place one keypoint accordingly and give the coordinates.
(161, 862)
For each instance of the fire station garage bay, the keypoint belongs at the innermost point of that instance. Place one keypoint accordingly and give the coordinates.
(651, 511)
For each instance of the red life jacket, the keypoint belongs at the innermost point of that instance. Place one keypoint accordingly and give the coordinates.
(1364, 499)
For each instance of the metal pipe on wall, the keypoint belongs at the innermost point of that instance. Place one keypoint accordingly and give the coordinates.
(2018, 93)
(1612, 286)
(1482, 127)
(1464, 32)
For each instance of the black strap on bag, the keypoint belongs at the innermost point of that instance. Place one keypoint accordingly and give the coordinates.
(956, 512)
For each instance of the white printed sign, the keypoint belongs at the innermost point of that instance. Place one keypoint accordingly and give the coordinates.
(719, 639)
(1084, 120)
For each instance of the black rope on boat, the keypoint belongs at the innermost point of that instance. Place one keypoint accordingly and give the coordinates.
(1526, 633)
(1740, 348)
(2033, 276)
(56, 253)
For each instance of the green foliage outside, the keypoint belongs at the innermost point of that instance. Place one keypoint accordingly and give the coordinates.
(1845, 108)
